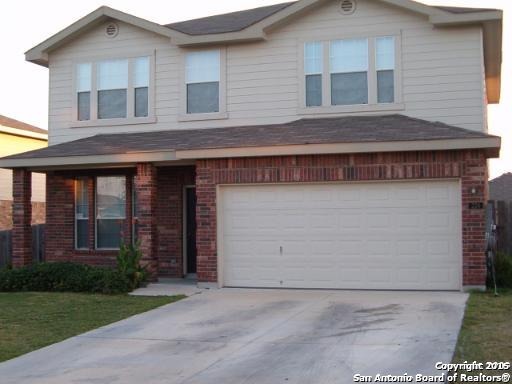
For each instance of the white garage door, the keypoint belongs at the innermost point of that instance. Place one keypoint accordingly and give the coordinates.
(394, 235)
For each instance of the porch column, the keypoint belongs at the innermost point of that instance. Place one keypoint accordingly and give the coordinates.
(146, 191)
(21, 217)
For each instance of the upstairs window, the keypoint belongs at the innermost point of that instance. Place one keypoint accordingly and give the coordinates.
(113, 89)
(202, 74)
(141, 85)
(349, 71)
(313, 68)
(361, 74)
(83, 88)
(385, 65)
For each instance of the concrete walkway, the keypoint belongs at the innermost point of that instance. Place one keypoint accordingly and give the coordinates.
(169, 287)
(234, 336)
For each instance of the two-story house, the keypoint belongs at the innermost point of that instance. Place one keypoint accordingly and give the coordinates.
(309, 144)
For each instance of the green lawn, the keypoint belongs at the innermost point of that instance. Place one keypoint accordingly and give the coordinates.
(486, 332)
(31, 320)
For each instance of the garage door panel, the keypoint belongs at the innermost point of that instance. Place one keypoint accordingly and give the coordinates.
(378, 275)
(350, 276)
(408, 276)
(323, 220)
(403, 235)
(407, 221)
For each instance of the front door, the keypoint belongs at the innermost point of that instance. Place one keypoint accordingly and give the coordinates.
(190, 229)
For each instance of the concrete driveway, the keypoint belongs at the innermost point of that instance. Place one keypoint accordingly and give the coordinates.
(233, 336)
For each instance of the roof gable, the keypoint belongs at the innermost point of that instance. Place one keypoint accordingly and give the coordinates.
(39, 54)
(253, 24)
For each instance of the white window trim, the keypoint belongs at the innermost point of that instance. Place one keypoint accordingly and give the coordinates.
(88, 212)
(222, 114)
(372, 106)
(130, 109)
(96, 212)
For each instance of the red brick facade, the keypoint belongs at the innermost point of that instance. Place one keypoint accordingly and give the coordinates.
(468, 166)
(171, 182)
(159, 221)
(160, 202)
(22, 217)
(146, 190)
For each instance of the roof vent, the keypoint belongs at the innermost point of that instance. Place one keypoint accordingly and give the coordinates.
(111, 30)
(347, 7)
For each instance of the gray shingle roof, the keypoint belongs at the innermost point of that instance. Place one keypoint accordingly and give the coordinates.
(500, 188)
(349, 129)
(228, 22)
(237, 21)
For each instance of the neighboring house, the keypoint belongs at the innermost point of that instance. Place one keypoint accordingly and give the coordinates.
(17, 137)
(500, 188)
(311, 144)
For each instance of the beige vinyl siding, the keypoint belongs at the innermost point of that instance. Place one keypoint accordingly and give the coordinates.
(442, 73)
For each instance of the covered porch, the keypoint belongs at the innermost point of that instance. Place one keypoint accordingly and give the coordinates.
(91, 212)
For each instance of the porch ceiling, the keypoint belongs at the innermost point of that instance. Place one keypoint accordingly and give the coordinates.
(350, 134)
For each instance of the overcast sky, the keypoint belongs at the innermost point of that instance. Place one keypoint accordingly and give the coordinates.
(25, 23)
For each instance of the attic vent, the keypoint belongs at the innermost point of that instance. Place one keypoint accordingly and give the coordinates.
(347, 7)
(111, 30)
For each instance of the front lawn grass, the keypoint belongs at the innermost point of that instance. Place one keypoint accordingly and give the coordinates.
(486, 331)
(30, 320)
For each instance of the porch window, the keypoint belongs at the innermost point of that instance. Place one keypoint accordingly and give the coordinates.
(110, 211)
(81, 214)
(135, 225)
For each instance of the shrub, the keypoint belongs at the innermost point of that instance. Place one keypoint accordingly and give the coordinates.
(63, 277)
(503, 267)
(128, 263)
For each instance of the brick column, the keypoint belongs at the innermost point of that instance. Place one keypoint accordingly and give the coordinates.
(22, 217)
(206, 219)
(146, 190)
(474, 191)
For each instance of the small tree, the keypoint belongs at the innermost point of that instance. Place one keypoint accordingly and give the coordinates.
(128, 263)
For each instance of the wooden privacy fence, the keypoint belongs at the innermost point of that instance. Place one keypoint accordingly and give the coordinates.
(503, 217)
(37, 245)
(5, 248)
